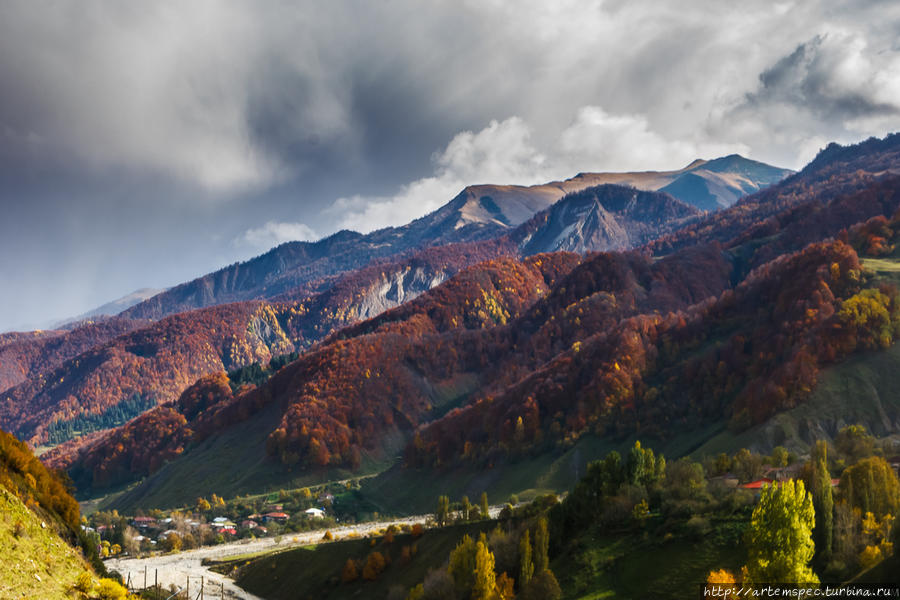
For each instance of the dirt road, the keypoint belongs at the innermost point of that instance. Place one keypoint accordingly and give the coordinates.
(177, 569)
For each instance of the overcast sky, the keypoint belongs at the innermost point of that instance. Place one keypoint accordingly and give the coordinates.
(145, 143)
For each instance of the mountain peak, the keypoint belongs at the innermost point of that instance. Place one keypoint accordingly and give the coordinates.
(697, 162)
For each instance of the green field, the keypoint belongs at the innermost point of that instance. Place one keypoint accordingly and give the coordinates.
(315, 572)
(649, 563)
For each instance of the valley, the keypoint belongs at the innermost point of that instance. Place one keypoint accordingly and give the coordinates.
(506, 346)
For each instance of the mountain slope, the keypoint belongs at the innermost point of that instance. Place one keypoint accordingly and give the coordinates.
(601, 218)
(719, 183)
(72, 400)
(615, 343)
(35, 354)
(114, 307)
(36, 512)
(479, 212)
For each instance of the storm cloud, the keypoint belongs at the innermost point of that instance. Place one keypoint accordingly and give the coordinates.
(145, 143)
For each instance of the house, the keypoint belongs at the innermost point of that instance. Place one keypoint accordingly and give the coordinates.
(325, 498)
(278, 517)
(248, 524)
(314, 513)
(222, 523)
(758, 484)
(143, 522)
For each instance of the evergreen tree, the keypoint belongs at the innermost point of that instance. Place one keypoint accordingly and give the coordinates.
(466, 508)
(823, 502)
(779, 539)
(443, 510)
(541, 546)
(485, 508)
(526, 566)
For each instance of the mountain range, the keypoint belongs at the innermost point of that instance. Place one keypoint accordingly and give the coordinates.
(611, 312)
(521, 343)
(311, 289)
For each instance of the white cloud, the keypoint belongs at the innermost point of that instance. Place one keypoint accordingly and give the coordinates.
(599, 141)
(503, 153)
(274, 233)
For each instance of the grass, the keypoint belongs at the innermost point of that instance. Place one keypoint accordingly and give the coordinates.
(638, 565)
(230, 464)
(415, 491)
(315, 571)
(36, 563)
(859, 390)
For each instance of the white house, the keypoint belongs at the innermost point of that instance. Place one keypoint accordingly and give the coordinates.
(315, 513)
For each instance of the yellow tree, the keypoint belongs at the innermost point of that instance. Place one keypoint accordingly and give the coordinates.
(485, 587)
(779, 539)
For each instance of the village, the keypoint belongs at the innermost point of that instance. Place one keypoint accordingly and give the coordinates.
(210, 522)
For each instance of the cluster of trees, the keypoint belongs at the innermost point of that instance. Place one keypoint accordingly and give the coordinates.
(158, 361)
(25, 355)
(804, 530)
(462, 511)
(26, 477)
(117, 414)
(754, 350)
(499, 566)
(615, 343)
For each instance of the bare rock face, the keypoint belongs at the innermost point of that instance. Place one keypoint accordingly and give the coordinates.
(605, 217)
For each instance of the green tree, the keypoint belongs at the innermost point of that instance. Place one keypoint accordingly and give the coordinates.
(871, 486)
(485, 508)
(644, 467)
(485, 584)
(779, 456)
(854, 443)
(526, 566)
(443, 510)
(823, 502)
(466, 509)
(542, 586)
(541, 546)
(747, 466)
(779, 539)
(462, 565)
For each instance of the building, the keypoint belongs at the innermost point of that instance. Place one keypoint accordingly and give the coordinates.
(314, 513)
(277, 517)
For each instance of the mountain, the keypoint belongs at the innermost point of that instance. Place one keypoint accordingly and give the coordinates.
(68, 400)
(112, 308)
(604, 217)
(479, 212)
(520, 356)
(37, 353)
(719, 183)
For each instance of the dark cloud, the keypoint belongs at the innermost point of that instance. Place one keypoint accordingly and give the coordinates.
(807, 78)
(144, 143)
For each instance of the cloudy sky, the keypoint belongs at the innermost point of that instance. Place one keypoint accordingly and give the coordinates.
(142, 144)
